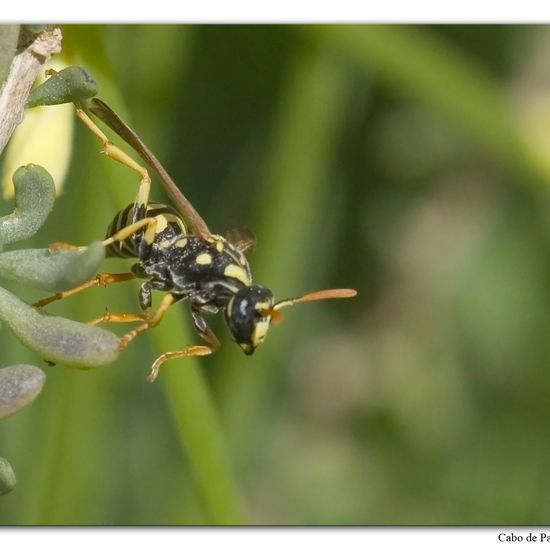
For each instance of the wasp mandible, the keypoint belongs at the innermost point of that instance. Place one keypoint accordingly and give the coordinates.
(177, 254)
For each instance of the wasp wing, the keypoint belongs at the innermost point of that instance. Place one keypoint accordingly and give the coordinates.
(188, 212)
(241, 238)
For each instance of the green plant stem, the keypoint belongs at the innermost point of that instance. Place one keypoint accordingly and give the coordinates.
(197, 423)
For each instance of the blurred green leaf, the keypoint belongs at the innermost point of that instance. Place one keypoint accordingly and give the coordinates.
(7, 477)
(415, 63)
(19, 386)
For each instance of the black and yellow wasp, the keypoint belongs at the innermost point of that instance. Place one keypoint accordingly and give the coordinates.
(176, 253)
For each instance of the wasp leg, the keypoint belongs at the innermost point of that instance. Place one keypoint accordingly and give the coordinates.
(109, 117)
(57, 246)
(203, 329)
(101, 279)
(145, 297)
(145, 292)
(110, 150)
(112, 317)
(187, 352)
(149, 223)
(204, 332)
(151, 320)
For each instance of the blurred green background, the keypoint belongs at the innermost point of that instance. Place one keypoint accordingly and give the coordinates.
(409, 162)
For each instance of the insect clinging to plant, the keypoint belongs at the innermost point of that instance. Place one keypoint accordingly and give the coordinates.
(177, 254)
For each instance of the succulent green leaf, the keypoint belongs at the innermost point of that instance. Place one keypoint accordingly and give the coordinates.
(67, 86)
(7, 477)
(34, 198)
(56, 339)
(51, 271)
(19, 386)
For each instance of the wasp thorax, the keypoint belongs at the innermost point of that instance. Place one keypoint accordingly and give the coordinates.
(248, 315)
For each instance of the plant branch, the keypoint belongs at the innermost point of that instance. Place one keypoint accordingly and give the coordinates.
(23, 71)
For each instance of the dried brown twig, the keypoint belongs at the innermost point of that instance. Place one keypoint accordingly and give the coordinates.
(24, 68)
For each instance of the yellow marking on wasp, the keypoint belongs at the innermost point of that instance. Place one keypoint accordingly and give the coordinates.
(219, 246)
(204, 258)
(172, 218)
(242, 259)
(162, 224)
(229, 307)
(151, 231)
(144, 190)
(238, 273)
(260, 330)
(262, 306)
(181, 243)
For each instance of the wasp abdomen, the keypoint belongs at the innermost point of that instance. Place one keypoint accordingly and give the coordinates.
(127, 247)
(169, 225)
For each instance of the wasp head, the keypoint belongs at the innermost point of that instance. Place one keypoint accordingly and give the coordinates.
(248, 316)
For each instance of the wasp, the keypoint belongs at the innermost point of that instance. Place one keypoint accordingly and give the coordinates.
(176, 253)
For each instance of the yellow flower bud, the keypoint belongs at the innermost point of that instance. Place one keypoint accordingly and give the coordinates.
(44, 137)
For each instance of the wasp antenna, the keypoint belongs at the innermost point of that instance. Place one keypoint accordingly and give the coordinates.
(317, 295)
